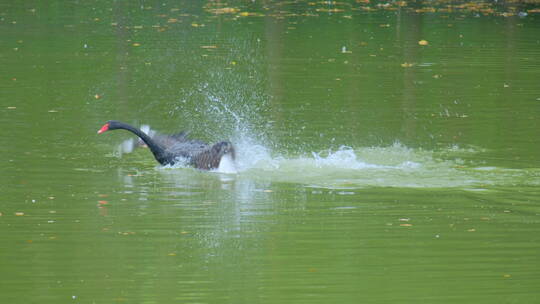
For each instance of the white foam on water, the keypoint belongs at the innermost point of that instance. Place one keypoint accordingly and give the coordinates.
(227, 165)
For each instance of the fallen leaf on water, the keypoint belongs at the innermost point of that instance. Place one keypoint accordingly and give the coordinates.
(136, 44)
(208, 46)
(97, 96)
(224, 10)
(423, 42)
(103, 202)
(19, 213)
(405, 225)
(406, 65)
(11, 108)
(330, 10)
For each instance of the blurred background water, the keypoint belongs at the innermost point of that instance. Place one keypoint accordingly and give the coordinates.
(386, 152)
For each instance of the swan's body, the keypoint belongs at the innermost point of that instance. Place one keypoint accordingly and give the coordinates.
(169, 149)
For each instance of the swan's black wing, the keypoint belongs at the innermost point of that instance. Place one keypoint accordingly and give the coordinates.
(168, 141)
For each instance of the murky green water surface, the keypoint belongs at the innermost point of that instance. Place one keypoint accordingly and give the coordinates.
(386, 153)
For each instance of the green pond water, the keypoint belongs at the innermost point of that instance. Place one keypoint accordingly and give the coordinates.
(386, 152)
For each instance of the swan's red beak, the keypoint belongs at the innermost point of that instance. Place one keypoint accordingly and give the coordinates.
(103, 129)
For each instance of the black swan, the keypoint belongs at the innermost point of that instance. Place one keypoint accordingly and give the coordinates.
(168, 149)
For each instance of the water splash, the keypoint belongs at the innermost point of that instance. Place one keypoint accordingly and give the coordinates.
(392, 166)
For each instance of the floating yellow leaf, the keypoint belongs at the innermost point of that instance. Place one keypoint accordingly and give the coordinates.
(330, 10)
(423, 42)
(19, 213)
(208, 46)
(406, 65)
(224, 10)
(136, 44)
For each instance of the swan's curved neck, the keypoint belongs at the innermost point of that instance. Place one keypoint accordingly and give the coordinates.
(158, 151)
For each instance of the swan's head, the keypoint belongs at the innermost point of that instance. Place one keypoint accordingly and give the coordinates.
(110, 125)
